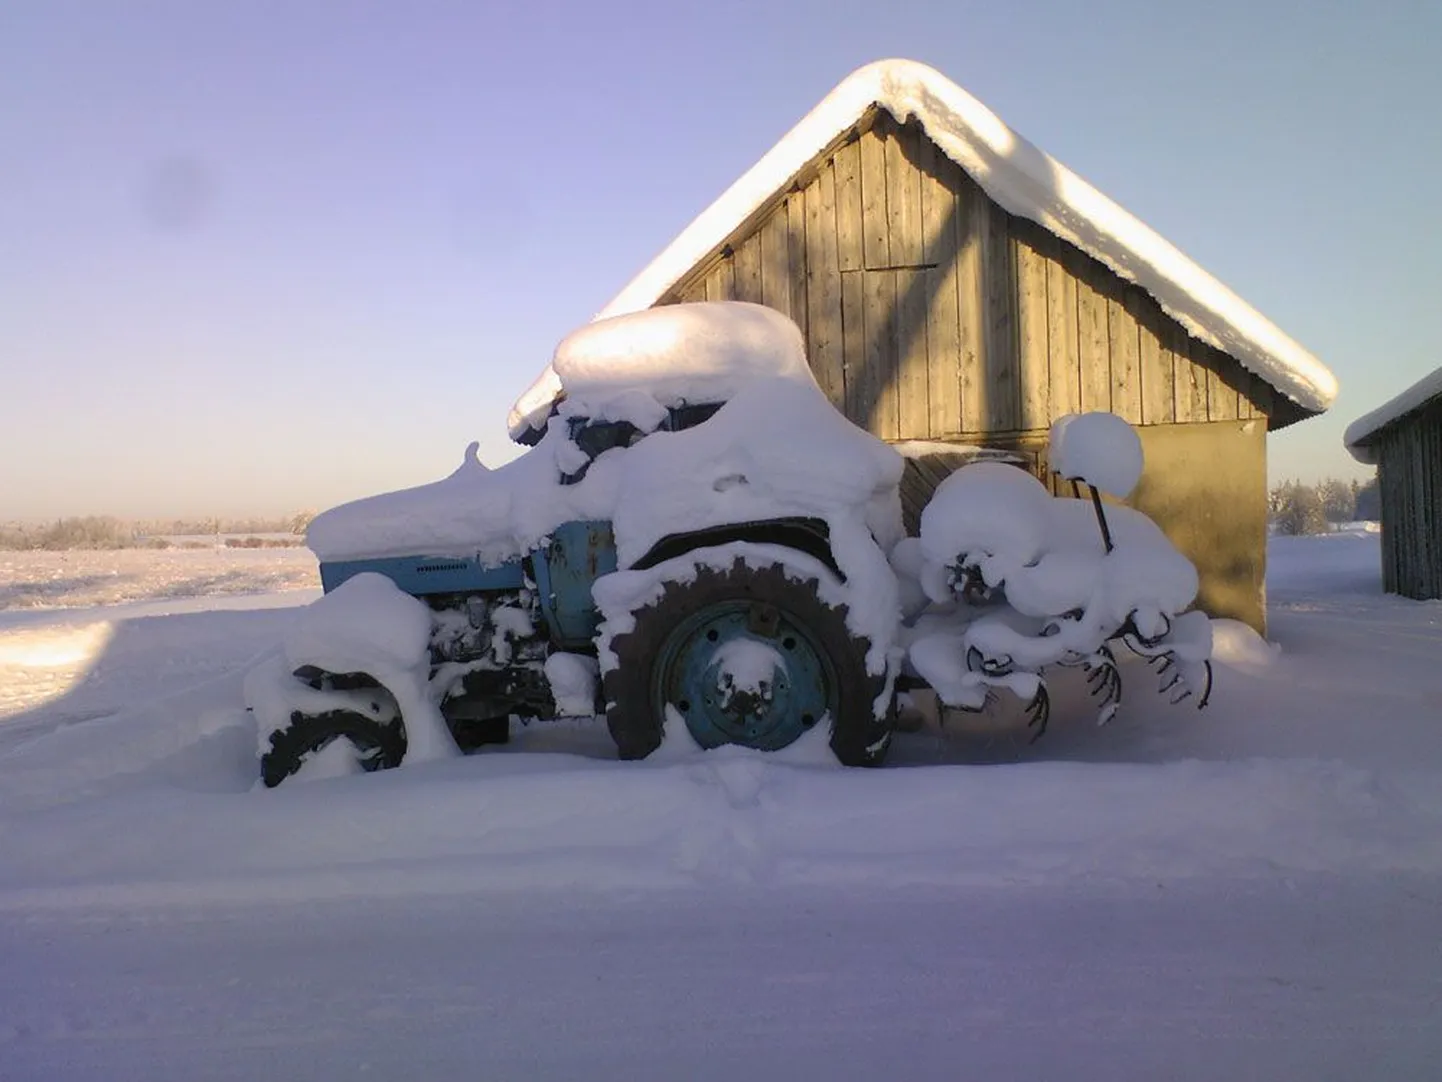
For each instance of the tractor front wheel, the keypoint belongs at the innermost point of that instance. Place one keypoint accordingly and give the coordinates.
(379, 745)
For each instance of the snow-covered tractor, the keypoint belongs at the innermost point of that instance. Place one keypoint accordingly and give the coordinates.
(699, 546)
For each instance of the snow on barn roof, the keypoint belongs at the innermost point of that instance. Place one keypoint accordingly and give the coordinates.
(1360, 432)
(1024, 181)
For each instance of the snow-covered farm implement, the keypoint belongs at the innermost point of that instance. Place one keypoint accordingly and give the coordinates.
(699, 546)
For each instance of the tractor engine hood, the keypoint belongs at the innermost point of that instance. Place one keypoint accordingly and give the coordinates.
(477, 512)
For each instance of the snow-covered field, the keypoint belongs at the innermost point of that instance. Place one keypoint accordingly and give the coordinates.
(48, 580)
(1254, 892)
(98, 629)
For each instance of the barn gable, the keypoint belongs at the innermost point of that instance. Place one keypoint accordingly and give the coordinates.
(932, 313)
(1024, 183)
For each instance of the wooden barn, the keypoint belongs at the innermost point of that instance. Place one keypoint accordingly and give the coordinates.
(1403, 439)
(955, 284)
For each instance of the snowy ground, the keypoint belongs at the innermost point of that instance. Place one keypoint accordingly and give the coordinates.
(51, 580)
(96, 630)
(1250, 893)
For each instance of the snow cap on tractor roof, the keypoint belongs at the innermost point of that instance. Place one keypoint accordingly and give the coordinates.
(677, 353)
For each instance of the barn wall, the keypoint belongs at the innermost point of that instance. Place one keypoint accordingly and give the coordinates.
(1409, 479)
(1206, 486)
(931, 313)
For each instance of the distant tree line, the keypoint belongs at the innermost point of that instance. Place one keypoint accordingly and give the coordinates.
(108, 532)
(1295, 508)
(1292, 508)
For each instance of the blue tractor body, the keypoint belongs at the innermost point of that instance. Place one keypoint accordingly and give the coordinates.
(560, 572)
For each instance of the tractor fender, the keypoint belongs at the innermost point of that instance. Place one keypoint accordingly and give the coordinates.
(811, 536)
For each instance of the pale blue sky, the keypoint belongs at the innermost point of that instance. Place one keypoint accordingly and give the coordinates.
(259, 256)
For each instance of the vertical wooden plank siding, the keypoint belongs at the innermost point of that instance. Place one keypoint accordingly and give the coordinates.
(1409, 480)
(1124, 344)
(875, 231)
(848, 208)
(721, 282)
(1093, 341)
(1034, 374)
(796, 259)
(776, 262)
(875, 404)
(1221, 396)
(1431, 453)
(1424, 486)
(849, 254)
(1191, 380)
(939, 181)
(1003, 405)
(1237, 379)
(908, 325)
(747, 261)
(913, 405)
(853, 328)
(1154, 366)
(903, 196)
(1063, 349)
(871, 391)
(971, 304)
(1246, 408)
(823, 288)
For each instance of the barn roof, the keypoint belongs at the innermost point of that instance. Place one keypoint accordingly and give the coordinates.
(1358, 436)
(1024, 181)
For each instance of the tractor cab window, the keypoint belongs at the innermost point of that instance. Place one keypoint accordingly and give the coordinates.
(595, 438)
(679, 418)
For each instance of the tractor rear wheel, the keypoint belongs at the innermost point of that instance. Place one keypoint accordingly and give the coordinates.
(747, 656)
